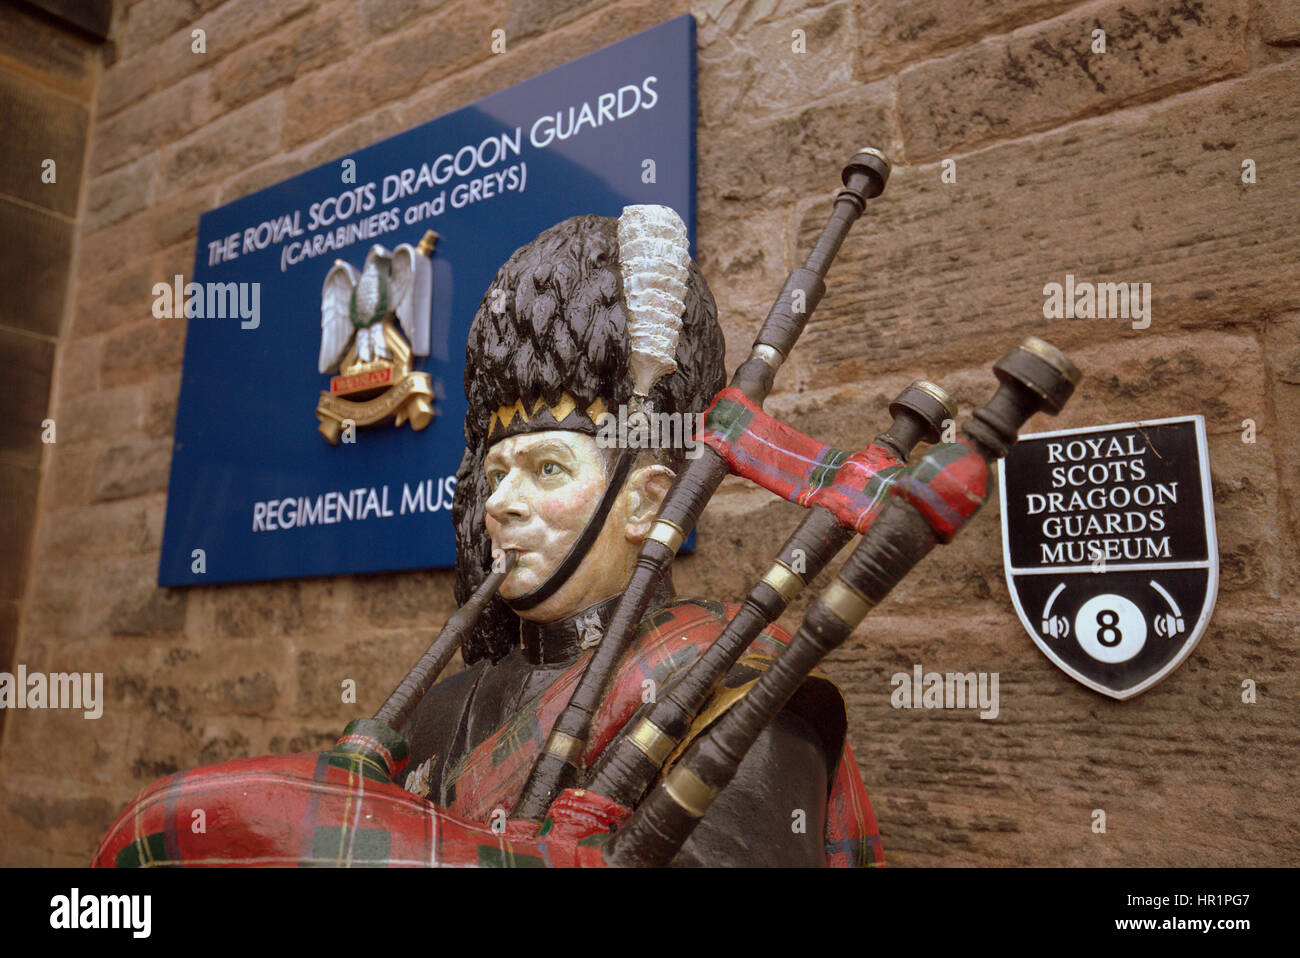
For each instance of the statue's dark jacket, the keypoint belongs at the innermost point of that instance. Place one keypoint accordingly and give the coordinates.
(474, 735)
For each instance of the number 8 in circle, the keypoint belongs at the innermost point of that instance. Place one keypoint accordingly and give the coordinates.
(1110, 628)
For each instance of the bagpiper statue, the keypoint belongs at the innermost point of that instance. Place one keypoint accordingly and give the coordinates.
(603, 719)
(554, 354)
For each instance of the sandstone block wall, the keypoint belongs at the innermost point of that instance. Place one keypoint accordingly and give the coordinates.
(48, 71)
(1117, 166)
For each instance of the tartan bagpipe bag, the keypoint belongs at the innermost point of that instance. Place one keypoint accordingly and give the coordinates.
(343, 808)
(338, 808)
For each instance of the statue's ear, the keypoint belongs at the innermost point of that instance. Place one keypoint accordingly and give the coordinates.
(645, 488)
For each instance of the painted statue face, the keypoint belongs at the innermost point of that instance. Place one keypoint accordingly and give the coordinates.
(545, 486)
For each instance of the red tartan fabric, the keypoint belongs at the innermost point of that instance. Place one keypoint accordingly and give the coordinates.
(947, 486)
(492, 776)
(852, 836)
(338, 808)
(304, 810)
(860, 488)
(798, 467)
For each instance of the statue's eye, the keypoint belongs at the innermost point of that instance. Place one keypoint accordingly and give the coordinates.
(550, 468)
(494, 478)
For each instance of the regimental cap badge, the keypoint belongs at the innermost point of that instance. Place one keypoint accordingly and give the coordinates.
(361, 341)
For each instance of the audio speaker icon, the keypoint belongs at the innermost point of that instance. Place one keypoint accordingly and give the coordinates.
(1167, 625)
(1056, 627)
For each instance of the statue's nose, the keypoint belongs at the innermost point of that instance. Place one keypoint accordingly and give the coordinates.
(507, 503)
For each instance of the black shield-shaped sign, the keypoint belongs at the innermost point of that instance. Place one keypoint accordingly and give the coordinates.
(1110, 549)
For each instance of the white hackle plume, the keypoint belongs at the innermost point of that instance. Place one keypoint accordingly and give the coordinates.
(654, 256)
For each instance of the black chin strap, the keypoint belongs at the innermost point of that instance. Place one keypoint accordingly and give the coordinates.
(585, 541)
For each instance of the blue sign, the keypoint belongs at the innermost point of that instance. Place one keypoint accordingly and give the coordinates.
(265, 483)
